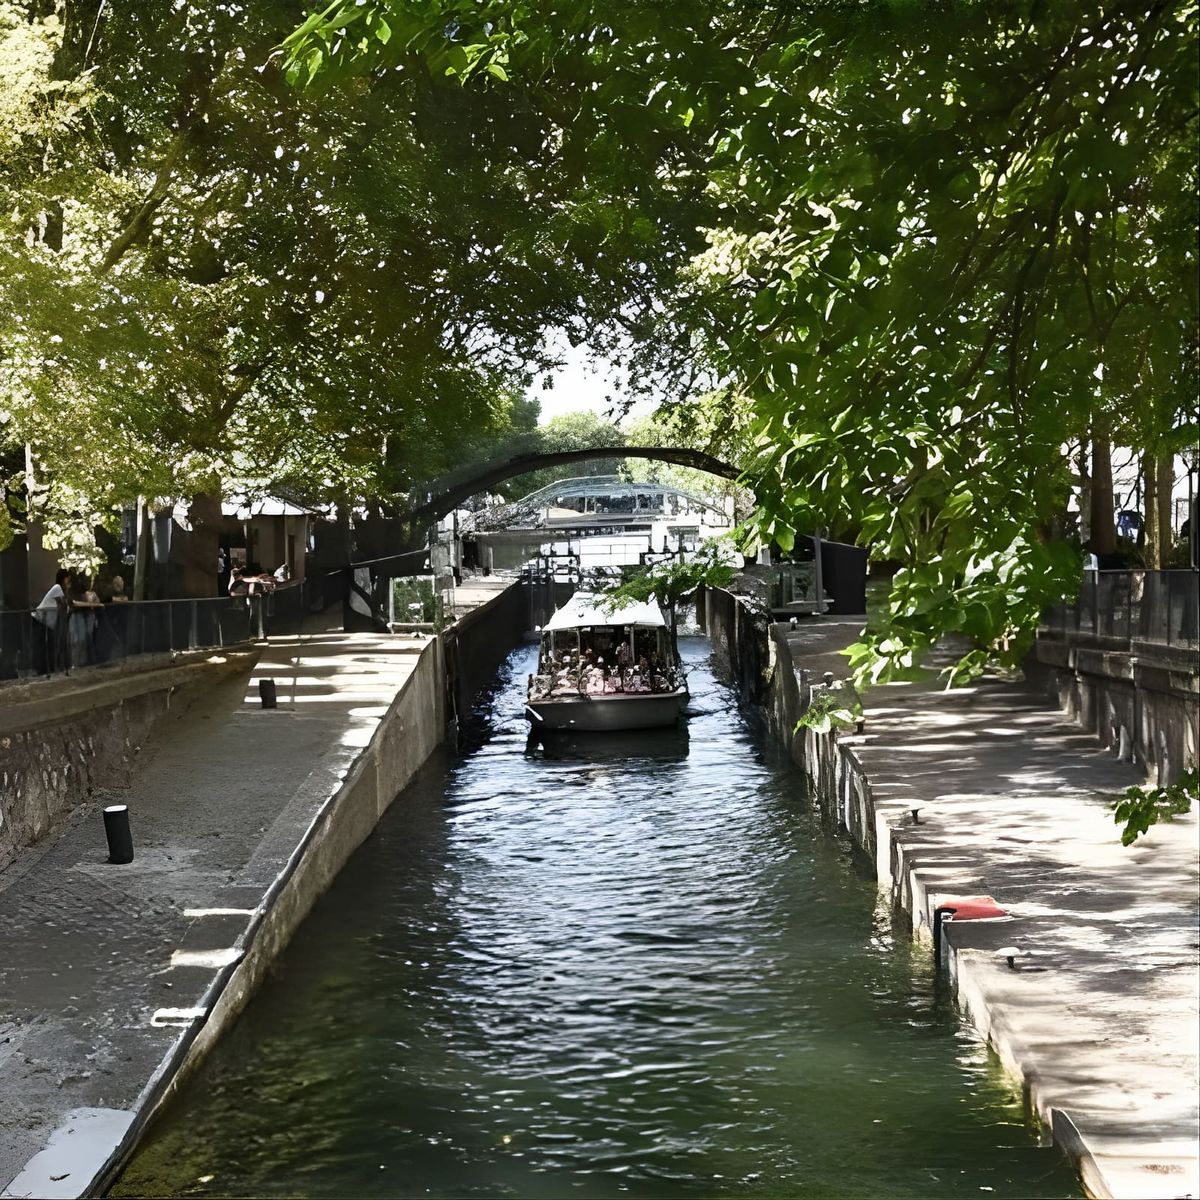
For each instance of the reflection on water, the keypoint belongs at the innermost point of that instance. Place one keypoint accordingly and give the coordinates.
(627, 967)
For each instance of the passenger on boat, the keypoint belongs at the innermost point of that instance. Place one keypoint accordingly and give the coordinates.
(624, 661)
(639, 677)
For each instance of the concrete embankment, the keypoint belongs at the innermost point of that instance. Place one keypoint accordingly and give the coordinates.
(117, 980)
(1096, 1020)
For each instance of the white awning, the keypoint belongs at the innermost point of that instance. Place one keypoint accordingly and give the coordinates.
(586, 609)
(243, 509)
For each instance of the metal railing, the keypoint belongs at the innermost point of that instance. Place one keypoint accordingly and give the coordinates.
(1121, 610)
(58, 641)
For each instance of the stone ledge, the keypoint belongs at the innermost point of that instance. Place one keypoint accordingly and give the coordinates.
(29, 705)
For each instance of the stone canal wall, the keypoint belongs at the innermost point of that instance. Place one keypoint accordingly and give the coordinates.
(241, 818)
(1144, 706)
(62, 739)
(479, 642)
(449, 672)
(742, 650)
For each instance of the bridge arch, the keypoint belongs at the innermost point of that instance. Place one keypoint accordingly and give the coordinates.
(447, 493)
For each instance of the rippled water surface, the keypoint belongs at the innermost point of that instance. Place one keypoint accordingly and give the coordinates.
(635, 968)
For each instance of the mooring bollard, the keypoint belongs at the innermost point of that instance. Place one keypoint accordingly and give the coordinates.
(266, 690)
(116, 831)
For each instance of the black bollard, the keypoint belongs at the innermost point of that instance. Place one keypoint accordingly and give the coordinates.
(116, 830)
(266, 689)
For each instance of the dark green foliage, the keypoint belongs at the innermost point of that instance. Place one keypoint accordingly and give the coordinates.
(209, 281)
(1139, 808)
(834, 707)
(671, 583)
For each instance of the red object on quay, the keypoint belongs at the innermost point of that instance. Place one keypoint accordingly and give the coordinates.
(972, 908)
(962, 908)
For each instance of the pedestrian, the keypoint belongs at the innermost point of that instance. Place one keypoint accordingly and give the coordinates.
(50, 627)
(81, 620)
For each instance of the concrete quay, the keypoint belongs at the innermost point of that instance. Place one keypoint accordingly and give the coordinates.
(1097, 1019)
(116, 980)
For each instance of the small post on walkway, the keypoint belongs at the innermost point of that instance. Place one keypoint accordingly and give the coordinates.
(267, 692)
(116, 832)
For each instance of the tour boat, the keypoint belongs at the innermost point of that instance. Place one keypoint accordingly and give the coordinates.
(601, 670)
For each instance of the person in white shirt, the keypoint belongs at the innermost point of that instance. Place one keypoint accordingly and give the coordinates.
(46, 614)
(54, 600)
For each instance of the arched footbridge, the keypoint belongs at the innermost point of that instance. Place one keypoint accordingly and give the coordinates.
(443, 496)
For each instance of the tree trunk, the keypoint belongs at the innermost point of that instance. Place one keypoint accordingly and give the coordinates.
(200, 559)
(1159, 477)
(1165, 466)
(1085, 495)
(345, 539)
(1153, 549)
(141, 550)
(1103, 526)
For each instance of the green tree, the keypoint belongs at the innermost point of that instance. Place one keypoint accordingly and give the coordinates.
(944, 244)
(671, 584)
(210, 282)
(718, 423)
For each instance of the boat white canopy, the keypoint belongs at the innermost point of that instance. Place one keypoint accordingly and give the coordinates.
(585, 609)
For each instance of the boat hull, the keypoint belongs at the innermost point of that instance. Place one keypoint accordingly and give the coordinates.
(595, 714)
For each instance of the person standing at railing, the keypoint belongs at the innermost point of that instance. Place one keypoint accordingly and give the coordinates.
(81, 621)
(624, 662)
(113, 621)
(50, 618)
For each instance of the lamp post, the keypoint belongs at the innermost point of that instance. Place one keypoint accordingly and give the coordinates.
(1191, 459)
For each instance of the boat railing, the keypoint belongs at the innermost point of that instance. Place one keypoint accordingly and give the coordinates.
(593, 681)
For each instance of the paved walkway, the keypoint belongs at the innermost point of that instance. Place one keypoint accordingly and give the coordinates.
(1100, 1020)
(91, 968)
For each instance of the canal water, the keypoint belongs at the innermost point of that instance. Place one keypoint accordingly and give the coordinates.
(630, 968)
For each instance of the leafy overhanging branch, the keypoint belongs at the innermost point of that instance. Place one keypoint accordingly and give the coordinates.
(670, 584)
(1141, 807)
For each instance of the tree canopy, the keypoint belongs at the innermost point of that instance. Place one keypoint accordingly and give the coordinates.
(946, 246)
(580, 430)
(932, 258)
(211, 282)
